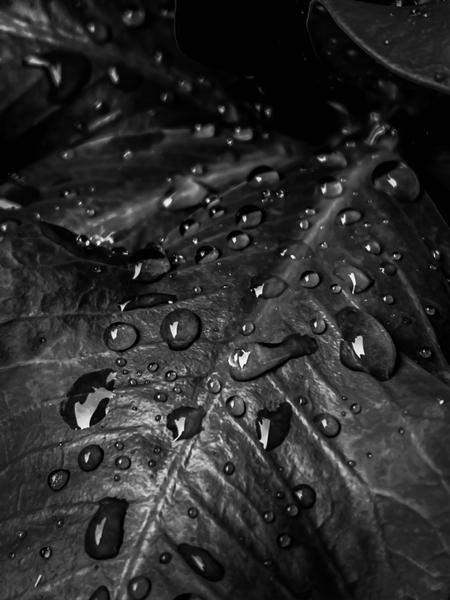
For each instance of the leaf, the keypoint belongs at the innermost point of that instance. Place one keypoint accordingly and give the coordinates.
(343, 505)
(409, 41)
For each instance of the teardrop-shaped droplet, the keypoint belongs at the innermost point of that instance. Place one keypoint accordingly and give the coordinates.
(318, 325)
(348, 216)
(133, 16)
(90, 458)
(396, 179)
(249, 216)
(58, 479)
(206, 254)
(101, 593)
(185, 422)
(120, 336)
(272, 426)
(268, 287)
(366, 345)
(238, 240)
(387, 268)
(254, 358)
(68, 72)
(328, 425)
(139, 587)
(104, 534)
(201, 562)
(262, 177)
(236, 406)
(305, 495)
(329, 187)
(372, 247)
(359, 281)
(187, 193)
(309, 279)
(88, 398)
(189, 227)
(180, 328)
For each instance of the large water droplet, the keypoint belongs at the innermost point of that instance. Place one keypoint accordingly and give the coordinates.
(120, 336)
(268, 287)
(359, 280)
(249, 216)
(238, 240)
(180, 328)
(236, 406)
(206, 254)
(68, 72)
(329, 187)
(88, 398)
(104, 534)
(58, 479)
(124, 78)
(348, 216)
(366, 345)
(327, 424)
(255, 358)
(309, 279)
(396, 179)
(90, 457)
(272, 426)
(185, 422)
(201, 562)
(139, 587)
(305, 495)
(101, 593)
(150, 263)
(262, 177)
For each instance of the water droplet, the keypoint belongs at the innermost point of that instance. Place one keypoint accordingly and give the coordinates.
(330, 187)
(165, 558)
(160, 397)
(439, 77)
(187, 193)
(120, 336)
(101, 593)
(216, 212)
(58, 479)
(83, 240)
(348, 216)
(284, 540)
(214, 385)
(185, 422)
(12, 555)
(206, 254)
(262, 177)
(426, 352)
(387, 268)
(246, 363)
(152, 367)
(396, 255)
(355, 408)
(180, 328)
(309, 279)
(119, 445)
(268, 563)
(369, 454)
(21, 534)
(372, 247)
(272, 427)
(388, 299)
(121, 362)
(247, 328)
(98, 31)
(359, 280)
(334, 159)
(235, 406)
(189, 227)
(207, 130)
(88, 398)
(292, 510)
(201, 562)
(229, 468)
(305, 495)
(45, 552)
(351, 463)
(123, 463)
(139, 587)
(133, 17)
(116, 477)
(269, 516)
(150, 263)
(238, 240)
(430, 310)
(302, 400)
(401, 430)
(90, 458)
(249, 216)
(268, 287)
(170, 375)
(396, 179)
(104, 534)
(366, 345)
(328, 425)
(192, 512)
(318, 325)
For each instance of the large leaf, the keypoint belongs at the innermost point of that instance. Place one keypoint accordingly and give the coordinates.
(278, 432)
(410, 41)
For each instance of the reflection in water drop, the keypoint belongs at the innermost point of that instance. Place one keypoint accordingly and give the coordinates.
(58, 479)
(202, 562)
(327, 424)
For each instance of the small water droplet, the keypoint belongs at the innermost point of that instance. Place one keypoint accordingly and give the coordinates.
(206, 254)
(192, 512)
(439, 77)
(305, 495)
(238, 240)
(21, 534)
(351, 463)
(123, 463)
(262, 177)
(229, 468)
(348, 216)
(372, 247)
(284, 540)
(120, 336)
(139, 587)
(358, 279)
(268, 287)
(12, 555)
(104, 534)
(214, 385)
(45, 552)
(309, 279)
(249, 216)
(83, 240)
(236, 406)
(152, 367)
(171, 375)
(189, 227)
(207, 130)
(430, 310)
(165, 558)
(426, 352)
(318, 325)
(133, 17)
(160, 397)
(101, 593)
(58, 479)
(90, 457)
(292, 510)
(121, 362)
(388, 299)
(59, 522)
(387, 268)
(329, 187)
(98, 31)
(202, 562)
(396, 255)
(247, 328)
(119, 445)
(328, 425)
(355, 408)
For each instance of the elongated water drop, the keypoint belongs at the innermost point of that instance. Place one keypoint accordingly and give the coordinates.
(268, 287)
(186, 193)
(309, 279)
(359, 281)
(206, 254)
(396, 179)
(238, 240)
(202, 562)
(348, 216)
(104, 534)
(185, 422)
(249, 216)
(150, 263)
(262, 177)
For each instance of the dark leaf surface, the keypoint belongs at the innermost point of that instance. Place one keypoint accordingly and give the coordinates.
(411, 41)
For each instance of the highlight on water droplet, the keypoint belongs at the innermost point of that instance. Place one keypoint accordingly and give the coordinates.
(396, 179)
(236, 406)
(329, 187)
(249, 216)
(180, 329)
(328, 425)
(90, 457)
(139, 587)
(309, 279)
(202, 562)
(305, 495)
(58, 479)
(263, 177)
(120, 336)
(238, 240)
(104, 534)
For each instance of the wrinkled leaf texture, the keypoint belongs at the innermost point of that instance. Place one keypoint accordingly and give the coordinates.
(379, 527)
